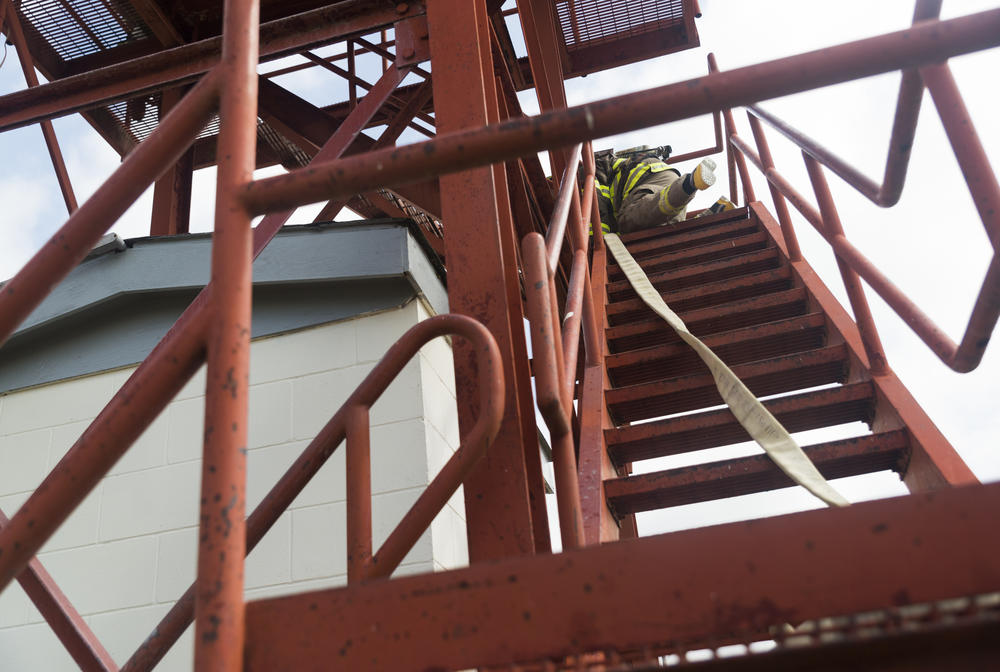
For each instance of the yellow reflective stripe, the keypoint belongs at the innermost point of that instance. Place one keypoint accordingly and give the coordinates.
(604, 227)
(664, 203)
(634, 177)
(605, 191)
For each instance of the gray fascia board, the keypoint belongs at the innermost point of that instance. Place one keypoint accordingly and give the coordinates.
(423, 277)
(176, 263)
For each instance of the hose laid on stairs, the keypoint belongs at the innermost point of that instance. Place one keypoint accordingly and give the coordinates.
(751, 414)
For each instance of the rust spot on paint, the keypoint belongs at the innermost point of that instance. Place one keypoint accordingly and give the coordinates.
(230, 383)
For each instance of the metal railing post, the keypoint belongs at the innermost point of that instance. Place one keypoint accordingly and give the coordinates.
(219, 607)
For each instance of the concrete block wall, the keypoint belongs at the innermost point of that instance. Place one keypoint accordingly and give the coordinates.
(128, 552)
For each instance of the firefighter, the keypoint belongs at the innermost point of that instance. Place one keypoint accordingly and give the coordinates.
(646, 192)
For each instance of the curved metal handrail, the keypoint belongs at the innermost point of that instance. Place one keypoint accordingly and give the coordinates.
(319, 450)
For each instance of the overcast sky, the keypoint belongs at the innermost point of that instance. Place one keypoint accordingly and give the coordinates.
(934, 249)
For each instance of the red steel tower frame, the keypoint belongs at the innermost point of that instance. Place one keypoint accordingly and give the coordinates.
(514, 246)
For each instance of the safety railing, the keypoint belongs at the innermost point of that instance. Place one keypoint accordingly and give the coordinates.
(555, 340)
(854, 266)
(350, 422)
(215, 326)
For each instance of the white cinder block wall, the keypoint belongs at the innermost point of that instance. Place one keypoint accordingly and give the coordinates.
(128, 552)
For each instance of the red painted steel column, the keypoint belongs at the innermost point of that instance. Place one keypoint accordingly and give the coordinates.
(219, 609)
(359, 492)
(780, 206)
(496, 494)
(172, 194)
(540, 41)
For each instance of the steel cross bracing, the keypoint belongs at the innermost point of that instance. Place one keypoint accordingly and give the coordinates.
(516, 245)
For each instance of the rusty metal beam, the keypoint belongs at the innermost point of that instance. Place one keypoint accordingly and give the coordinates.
(219, 608)
(354, 80)
(158, 22)
(171, 212)
(67, 624)
(731, 581)
(393, 130)
(923, 43)
(497, 494)
(184, 64)
(934, 463)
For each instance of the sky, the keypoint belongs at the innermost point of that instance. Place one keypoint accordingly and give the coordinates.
(931, 244)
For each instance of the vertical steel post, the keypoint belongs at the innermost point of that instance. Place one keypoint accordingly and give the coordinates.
(497, 492)
(780, 206)
(222, 538)
(538, 28)
(172, 194)
(740, 160)
(352, 88)
(359, 493)
(855, 291)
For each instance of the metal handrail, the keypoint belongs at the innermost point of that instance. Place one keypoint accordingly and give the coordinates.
(904, 129)
(555, 342)
(350, 423)
(962, 356)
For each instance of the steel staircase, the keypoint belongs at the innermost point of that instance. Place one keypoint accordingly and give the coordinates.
(729, 279)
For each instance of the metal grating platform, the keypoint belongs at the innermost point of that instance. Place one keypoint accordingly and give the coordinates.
(590, 22)
(75, 28)
(602, 34)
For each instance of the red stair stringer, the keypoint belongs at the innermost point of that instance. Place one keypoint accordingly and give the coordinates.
(933, 463)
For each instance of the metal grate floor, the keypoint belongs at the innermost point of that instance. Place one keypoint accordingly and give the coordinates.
(75, 28)
(585, 23)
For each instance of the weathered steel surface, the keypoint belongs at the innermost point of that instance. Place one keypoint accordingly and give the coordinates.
(732, 580)
(853, 402)
(497, 496)
(748, 344)
(185, 64)
(934, 462)
(758, 473)
(687, 393)
(457, 151)
(219, 609)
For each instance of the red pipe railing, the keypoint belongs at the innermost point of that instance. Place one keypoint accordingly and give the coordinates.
(172, 363)
(350, 422)
(555, 342)
(854, 265)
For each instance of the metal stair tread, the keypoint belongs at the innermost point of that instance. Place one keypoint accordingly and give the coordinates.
(683, 226)
(705, 234)
(704, 272)
(712, 296)
(694, 391)
(745, 344)
(677, 259)
(827, 407)
(757, 473)
(702, 321)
